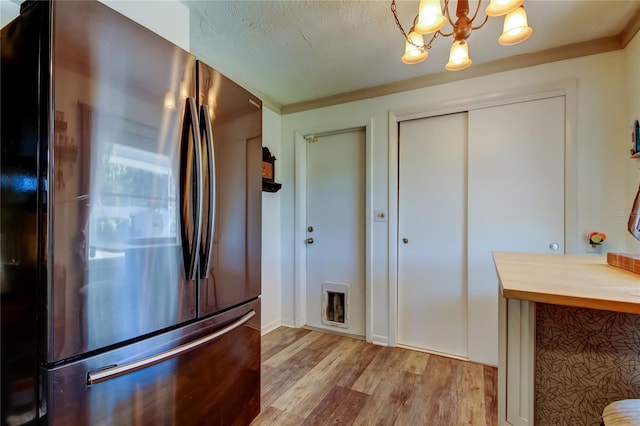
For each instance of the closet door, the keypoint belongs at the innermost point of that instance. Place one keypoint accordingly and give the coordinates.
(432, 293)
(516, 201)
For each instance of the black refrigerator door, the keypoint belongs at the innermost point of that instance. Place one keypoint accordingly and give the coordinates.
(19, 225)
(231, 131)
(206, 373)
(122, 184)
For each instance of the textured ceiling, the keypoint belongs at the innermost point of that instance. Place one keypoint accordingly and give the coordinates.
(295, 51)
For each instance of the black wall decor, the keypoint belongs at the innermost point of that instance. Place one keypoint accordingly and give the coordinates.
(268, 172)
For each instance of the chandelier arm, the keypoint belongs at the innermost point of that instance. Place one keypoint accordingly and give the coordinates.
(476, 13)
(486, 18)
(445, 34)
(445, 12)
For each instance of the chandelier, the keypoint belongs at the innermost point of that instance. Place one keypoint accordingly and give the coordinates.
(432, 17)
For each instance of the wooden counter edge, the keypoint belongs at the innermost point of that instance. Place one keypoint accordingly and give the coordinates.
(577, 302)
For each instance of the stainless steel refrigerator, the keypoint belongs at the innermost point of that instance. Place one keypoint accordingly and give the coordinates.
(130, 227)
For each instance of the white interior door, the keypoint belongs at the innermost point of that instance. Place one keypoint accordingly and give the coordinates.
(432, 293)
(516, 201)
(335, 212)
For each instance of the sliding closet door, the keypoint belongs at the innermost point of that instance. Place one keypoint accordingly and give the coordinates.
(516, 201)
(432, 293)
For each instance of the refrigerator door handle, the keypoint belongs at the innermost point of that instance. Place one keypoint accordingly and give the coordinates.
(102, 375)
(190, 251)
(207, 244)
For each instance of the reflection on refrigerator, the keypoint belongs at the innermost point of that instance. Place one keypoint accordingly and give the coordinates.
(130, 245)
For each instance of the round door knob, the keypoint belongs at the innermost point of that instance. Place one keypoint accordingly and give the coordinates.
(554, 246)
(309, 240)
(405, 240)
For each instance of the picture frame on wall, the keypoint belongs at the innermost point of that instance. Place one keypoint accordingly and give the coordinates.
(268, 172)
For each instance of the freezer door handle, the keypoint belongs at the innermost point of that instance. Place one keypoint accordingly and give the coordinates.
(207, 244)
(190, 250)
(102, 375)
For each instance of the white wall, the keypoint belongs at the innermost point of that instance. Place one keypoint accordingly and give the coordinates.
(271, 230)
(632, 89)
(167, 18)
(601, 156)
(8, 11)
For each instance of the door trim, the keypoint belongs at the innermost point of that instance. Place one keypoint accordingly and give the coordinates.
(300, 226)
(566, 88)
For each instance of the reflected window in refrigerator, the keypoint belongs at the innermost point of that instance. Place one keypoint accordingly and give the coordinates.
(137, 200)
(132, 235)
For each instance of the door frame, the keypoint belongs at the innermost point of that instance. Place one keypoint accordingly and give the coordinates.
(300, 226)
(566, 88)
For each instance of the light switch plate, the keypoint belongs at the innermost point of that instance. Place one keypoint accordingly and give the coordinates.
(379, 216)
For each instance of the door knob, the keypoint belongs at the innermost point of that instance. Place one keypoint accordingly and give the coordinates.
(405, 240)
(309, 241)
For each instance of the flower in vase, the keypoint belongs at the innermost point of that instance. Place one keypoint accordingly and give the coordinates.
(597, 238)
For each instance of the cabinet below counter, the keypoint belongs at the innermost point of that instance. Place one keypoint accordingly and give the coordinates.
(567, 338)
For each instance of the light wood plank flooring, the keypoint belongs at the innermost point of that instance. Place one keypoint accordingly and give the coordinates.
(315, 378)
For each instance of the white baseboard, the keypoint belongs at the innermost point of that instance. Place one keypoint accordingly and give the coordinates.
(288, 323)
(335, 331)
(266, 328)
(380, 340)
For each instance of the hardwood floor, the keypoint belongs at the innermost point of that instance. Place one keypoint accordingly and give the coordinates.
(315, 378)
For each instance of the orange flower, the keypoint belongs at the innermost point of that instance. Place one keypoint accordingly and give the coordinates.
(597, 237)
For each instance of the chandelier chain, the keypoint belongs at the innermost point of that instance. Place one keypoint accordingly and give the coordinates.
(421, 48)
(395, 16)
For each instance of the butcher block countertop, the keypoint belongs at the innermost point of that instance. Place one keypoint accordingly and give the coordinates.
(580, 281)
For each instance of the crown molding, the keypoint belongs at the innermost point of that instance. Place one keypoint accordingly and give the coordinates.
(630, 31)
(269, 102)
(568, 51)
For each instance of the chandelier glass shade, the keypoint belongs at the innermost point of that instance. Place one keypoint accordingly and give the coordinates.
(459, 56)
(515, 28)
(430, 17)
(412, 52)
(433, 16)
(502, 7)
